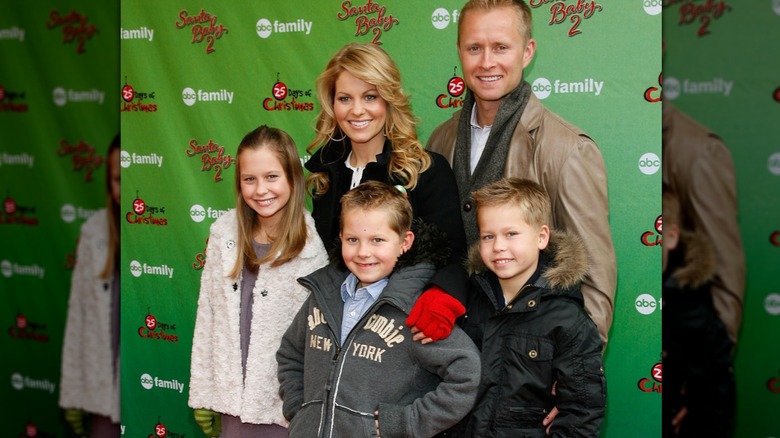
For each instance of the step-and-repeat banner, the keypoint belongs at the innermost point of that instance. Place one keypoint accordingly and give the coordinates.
(194, 78)
(197, 76)
(58, 99)
(721, 68)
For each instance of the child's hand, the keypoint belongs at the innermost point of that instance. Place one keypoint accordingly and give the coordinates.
(553, 413)
(434, 315)
(678, 419)
(376, 423)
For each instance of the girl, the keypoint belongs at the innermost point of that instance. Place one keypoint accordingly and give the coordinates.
(89, 384)
(248, 293)
(366, 131)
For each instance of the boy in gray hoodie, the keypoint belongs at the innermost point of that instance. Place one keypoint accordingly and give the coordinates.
(348, 365)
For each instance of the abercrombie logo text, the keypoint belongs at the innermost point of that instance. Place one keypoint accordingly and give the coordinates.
(140, 209)
(280, 92)
(560, 12)
(212, 157)
(83, 157)
(129, 94)
(204, 28)
(701, 12)
(74, 28)
(150, 329)
(8, 98)
(456, 86)
(370, 17)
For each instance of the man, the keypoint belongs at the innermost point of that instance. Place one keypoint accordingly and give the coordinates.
(504, 130)
(698, 166)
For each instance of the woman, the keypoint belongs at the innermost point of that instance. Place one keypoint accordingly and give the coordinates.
(366, 131)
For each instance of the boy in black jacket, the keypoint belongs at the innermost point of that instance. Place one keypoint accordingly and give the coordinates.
(539, 347)
(699, 388)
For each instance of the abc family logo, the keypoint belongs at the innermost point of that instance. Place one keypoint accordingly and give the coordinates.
(646, 304)
(649, 163)
(542, 87)
(198, 213)
(441, 18)
(137, 269)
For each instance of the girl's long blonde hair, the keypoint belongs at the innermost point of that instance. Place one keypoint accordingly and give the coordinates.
(290, 238)
(368, 62)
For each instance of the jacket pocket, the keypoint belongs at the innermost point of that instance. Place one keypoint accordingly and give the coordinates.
(307, 421)
(353, 424)
(520, 422)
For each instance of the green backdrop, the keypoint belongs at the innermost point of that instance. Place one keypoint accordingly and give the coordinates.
(721, 67)
(203, 74)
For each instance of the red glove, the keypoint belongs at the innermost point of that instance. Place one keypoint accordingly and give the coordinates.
(434, 313)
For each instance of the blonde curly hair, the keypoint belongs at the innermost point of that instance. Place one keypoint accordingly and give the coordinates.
(369, 63)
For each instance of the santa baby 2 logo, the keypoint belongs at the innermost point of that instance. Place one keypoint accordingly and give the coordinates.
(74, 28)
(83, 157)
(204, 28)
(212, 157)
(369, 18)
(560, 12)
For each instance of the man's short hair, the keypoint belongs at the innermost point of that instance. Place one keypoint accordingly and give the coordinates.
(520, 7)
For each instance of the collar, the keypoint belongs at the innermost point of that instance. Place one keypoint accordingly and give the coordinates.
(334, 153)
(349, 287)
(474, 123)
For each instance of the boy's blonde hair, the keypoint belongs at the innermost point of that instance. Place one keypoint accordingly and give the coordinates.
(291, 237)
(670, 205)
(375, 195)
(528, 196)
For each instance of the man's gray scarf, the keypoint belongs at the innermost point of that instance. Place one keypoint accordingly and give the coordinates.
(491, 165)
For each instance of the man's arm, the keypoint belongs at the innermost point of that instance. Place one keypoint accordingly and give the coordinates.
(582, 207)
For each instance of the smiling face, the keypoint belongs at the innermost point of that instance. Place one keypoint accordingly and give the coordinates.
(264, 185)
(509, 246)
(369, 246)
(360, 112)
(493, 53)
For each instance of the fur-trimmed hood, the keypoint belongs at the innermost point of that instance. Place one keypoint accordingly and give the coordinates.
(567, 261)
(693, 263)
(429, 246)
